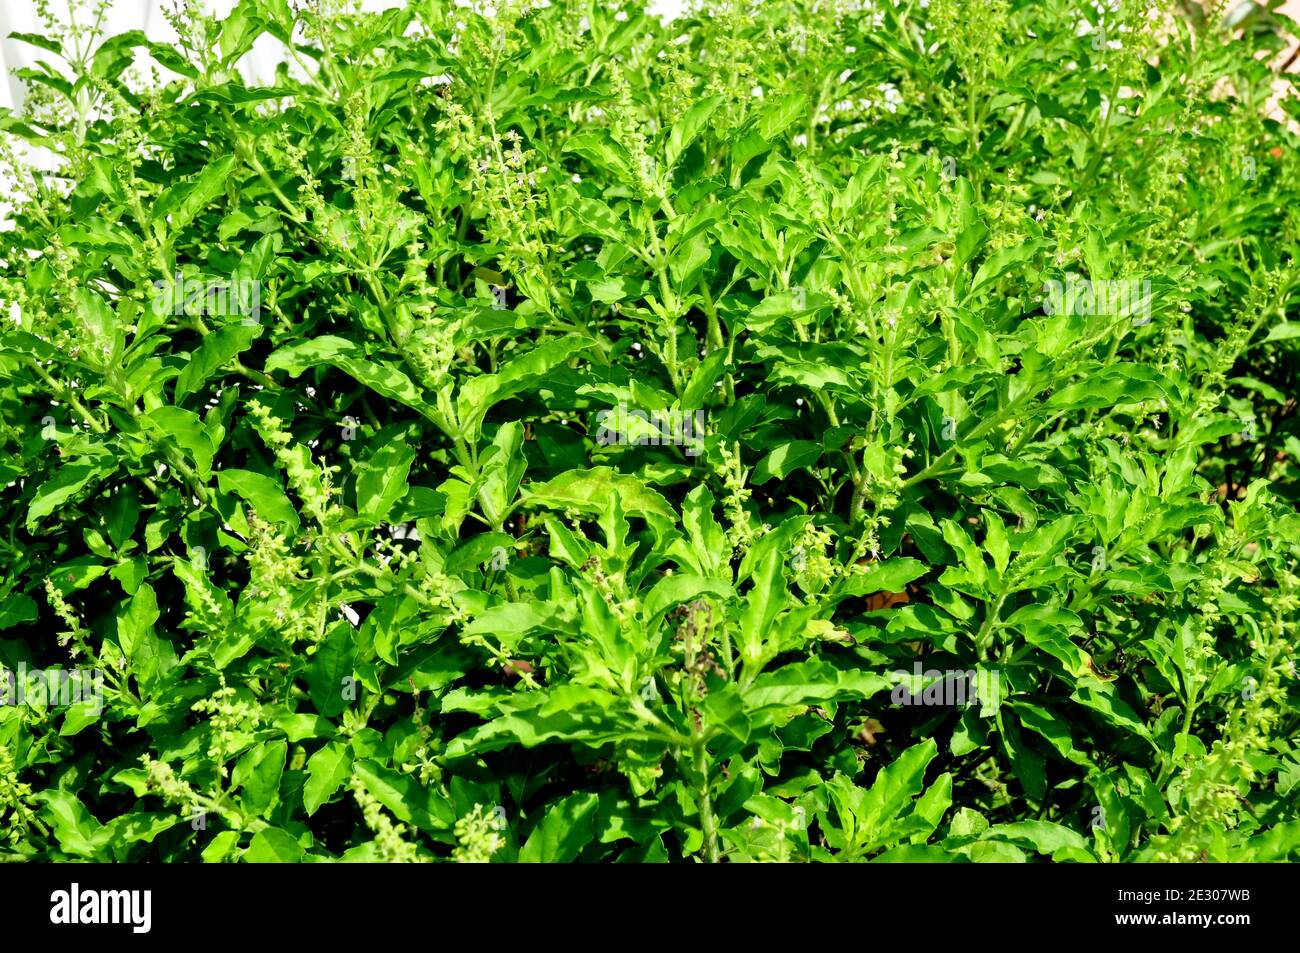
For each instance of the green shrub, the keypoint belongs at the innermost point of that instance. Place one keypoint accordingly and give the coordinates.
(803, 431)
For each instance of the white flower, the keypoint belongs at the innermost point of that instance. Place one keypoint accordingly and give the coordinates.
(845, 75)
(620, 16)
(757, 92)
(801, 140)
(893, 98)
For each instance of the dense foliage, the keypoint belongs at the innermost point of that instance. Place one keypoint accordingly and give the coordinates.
(809, 430)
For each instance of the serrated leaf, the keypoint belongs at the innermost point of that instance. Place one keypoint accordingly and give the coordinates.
(327, 771)
(589, 491)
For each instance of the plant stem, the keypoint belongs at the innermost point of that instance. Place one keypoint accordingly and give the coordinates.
(704, 799)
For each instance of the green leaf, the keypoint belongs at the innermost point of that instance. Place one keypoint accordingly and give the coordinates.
(479, 394)
(273, 846)
(151, 656)
(16, 609)
(178, 206)
(76, 830)
(570, 713)
(221, 846)
(802, 684)
(1120, 384)
(708, 540)
(383, 480)
(73, 477)
(688, 128)
(327, 771)
(1284, 331)
(896, 785)
(186, 429)
(600, 149)
(262, 493)
(765, 599)
(1113, 709)
(259, 772)
(1044, 836)
(300, 727)
(403, 795)
(385, 379)
(781, 113)
(510, 622)
(33, 39)
(1044, 722)
(590, 490)
(329, 670)
(892, 575)
(217, 350)
(1001, 263)
(682, 587)
(562, 834)
(1046, 628)
(1280, 843)
(786, 459)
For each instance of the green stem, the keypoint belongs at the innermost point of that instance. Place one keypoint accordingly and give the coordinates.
(984, 638)
(704, 798)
